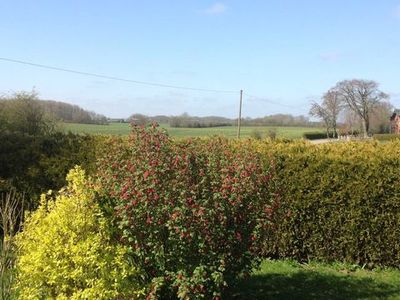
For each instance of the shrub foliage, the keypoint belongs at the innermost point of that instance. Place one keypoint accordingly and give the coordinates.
(66, 250)
(338, 202)
(317, 135)
(190, 211)
(386, 136)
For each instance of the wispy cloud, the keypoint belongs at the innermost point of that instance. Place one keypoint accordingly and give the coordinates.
(216, 9)
(330, 56)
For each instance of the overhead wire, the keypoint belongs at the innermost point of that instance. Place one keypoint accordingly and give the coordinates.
(116, 78)
(163, 85)
(264, 99)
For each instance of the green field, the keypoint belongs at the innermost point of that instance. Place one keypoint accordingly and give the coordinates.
(291, 280)
(228, 131)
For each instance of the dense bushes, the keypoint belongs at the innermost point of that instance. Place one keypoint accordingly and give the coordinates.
(338, 202)
(316, 135)
(190, 211)
(386, 136)
(33, 164)
(66, 250)
(193, 215)
(33, 156)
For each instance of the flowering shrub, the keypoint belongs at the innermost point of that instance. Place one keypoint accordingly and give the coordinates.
(191, 211)
(66, 252)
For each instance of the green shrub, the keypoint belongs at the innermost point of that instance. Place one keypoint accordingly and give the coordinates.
(256, 134)
(191, 211)
(338, 202)
(316, 135)
(66, 250)
(272, 133)
(386, 136)
(36, 163)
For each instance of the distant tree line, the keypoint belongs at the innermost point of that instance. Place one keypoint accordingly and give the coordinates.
(58, 111)
(187, 121)
(71, 113)
(280, 120)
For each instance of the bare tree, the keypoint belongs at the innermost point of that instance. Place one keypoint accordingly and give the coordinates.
(361, 96)
(380, 117)
(328, 111)
(332, 105)
(351, 121)
(322, 113)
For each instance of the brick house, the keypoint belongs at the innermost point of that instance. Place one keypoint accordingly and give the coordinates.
(395, 122)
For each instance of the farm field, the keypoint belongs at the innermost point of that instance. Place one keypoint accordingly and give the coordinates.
(228, 131)
(291, 280)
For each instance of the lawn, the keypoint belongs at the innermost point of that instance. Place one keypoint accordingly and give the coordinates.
(291, 280)
(229, 131)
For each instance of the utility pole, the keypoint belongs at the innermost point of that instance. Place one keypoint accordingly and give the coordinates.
(240, 114)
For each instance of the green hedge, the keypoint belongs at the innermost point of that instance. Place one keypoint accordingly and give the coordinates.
(386, 136)
(34, 164)
(316, 135)
(338, 202)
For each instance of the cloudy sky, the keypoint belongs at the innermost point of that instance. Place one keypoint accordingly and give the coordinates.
(284, 52)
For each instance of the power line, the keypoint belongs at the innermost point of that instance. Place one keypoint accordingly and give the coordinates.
(269, 101)
(115, 78)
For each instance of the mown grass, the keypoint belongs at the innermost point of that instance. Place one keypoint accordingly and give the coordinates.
(291, 280)
(228, 131)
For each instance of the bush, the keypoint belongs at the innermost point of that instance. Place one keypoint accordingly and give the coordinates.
(272, 132)
(316, 135)
(386, 136)
(66, 250)
(339, 202)
(256, 134)
(192, 212)
(36, 163)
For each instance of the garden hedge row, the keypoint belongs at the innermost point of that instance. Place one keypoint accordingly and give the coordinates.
(386, 136)
(316, 135)
(338, 202)
(191, 216)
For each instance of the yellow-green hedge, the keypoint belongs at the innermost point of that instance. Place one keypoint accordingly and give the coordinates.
(66, 250)
(338, 201)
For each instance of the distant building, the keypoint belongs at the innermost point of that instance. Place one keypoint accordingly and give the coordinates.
(395, 122)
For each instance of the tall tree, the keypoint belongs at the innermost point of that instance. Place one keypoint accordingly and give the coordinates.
(332, 105)
(322, 113)
(361, 96)
(23, 113)
(380, 117)
(328, 111)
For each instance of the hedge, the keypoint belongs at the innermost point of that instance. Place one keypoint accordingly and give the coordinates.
(386, 136)
(316, 135)
(339, 202)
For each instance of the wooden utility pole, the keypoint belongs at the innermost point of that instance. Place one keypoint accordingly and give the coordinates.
(240, 114)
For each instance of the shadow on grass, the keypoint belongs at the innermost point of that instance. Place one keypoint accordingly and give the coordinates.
(311, 285)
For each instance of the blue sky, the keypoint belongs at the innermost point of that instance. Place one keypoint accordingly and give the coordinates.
(285, 52)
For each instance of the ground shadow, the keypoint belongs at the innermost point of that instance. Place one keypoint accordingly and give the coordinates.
(311, 285)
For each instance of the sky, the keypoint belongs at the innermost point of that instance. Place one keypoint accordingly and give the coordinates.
(284, 53)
